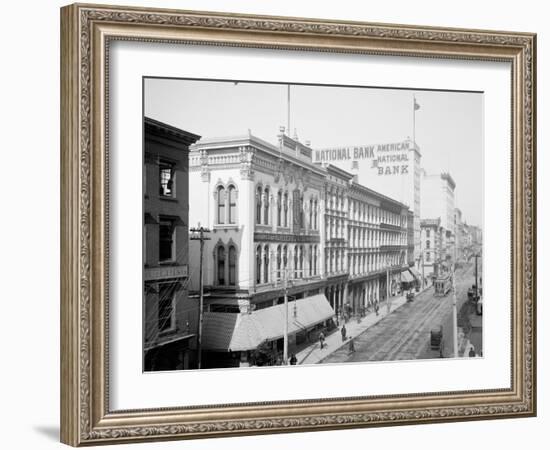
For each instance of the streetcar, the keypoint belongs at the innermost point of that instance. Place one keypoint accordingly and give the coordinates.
(442, 285)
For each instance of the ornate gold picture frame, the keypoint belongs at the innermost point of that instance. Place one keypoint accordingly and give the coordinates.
(87, 31)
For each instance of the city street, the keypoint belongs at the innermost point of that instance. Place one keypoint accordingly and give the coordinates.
(405, 334)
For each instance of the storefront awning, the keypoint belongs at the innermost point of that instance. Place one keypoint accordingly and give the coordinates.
(243, 331)
(406, 277)
(415, 273)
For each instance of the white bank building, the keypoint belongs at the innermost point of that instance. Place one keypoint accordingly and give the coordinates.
(279, 222)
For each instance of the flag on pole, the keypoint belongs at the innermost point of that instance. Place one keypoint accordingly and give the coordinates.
(416, 105)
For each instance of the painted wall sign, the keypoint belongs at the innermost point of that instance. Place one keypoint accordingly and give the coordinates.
(386, 159)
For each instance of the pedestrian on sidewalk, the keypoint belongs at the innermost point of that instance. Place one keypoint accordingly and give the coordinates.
(344, 331)
(351, 346)
(376, 308)
(293, 360)
(321, 340)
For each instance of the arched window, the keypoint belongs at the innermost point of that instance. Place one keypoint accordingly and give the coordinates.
(310, 260)
(259, 205)
(232, 202)
(279, 262)
(301, 211)
(301, 261)
(311, 214)
(285, 206)
(266, 264)
(221, 265)
(315, 260)
(315, 223)
(296, 261)
(279, 207)
(232, 265)
(258, 265)
(221, 204)
(266, 206)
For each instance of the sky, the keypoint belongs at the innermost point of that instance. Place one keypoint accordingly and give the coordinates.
(448, 125)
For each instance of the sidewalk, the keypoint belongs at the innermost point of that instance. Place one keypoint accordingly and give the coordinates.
(313, 354)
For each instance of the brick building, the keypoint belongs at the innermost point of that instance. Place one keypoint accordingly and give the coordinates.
(170, 318)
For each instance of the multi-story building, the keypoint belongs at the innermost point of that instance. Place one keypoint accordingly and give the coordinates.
(281, 223)
(459, 235)
(263, 205)
(438, 201)
(334, 245)
(392, 169)
(170, 321)
(432, 250)
(377, 246)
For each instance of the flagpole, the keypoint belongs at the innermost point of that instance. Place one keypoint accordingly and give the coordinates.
(414, 121)
(288, 108)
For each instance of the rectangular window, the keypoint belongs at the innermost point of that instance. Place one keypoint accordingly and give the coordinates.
(167, 179)
(166, 239)
(166, 319)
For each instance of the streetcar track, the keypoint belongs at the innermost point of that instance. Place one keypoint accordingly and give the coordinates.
(386, 339)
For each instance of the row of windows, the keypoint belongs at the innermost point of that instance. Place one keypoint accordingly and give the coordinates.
(360, 237)
(227, 209)
(298, 262)
(335, 201)
(263, 209)
(369, 263)
(357, 263)
(371, 214)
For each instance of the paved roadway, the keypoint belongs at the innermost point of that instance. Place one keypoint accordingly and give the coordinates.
(405, 334)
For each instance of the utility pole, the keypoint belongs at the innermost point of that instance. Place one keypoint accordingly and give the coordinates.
(477, 294)
(455, 318)
(200, 236)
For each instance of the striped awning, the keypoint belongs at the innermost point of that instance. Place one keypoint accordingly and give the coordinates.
(406, 277)
(415, 273)
(246, 331)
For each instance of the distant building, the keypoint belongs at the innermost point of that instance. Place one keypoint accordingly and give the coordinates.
(432, 247)
(438, 201)
(459, 236)
(411, 240)
(170, 318)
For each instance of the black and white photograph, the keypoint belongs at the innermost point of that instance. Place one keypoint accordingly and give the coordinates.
(291, 224)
